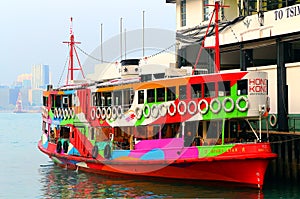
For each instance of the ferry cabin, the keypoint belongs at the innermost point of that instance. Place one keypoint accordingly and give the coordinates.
(129, 112)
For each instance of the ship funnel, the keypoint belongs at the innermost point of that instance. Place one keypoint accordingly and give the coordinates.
(130, 68)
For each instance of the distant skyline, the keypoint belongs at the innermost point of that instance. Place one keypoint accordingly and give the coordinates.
(32, 31)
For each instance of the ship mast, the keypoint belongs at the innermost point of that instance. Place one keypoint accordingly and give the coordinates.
(216, 47)
(71, 44)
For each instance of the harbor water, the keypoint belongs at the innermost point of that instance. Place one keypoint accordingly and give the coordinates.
(27, 173)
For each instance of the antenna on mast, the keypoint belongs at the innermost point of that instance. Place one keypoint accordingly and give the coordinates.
(71, 44)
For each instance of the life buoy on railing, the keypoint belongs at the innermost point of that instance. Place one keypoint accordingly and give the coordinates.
(107, 152)
(119, 112)
(211, 106)
(95, 152)
(138, 112)
(205, 110)
(98, 113)
(103, 113)
(114, 113)
(174, 109)
(162, 110)
(190, 110)
(66, 146)
(93, 113)
(146, 107)
(273, 120)
(154, 111)
(237, 103)
(181, 104)
(66, 114)
(108, 113)
(60, 116)
(230, 100)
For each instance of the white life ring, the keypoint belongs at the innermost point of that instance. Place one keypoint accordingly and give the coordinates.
(66, 114)
(93, 113)
(154, 111)
(138, 112)
(191, 111)
(98, 113)
(217, 110)
(273, 120)
(103, 113)
(108, 113)
(181, 103)
(228, 99)
(55, 113)
(114, 113)
(174, 109)
(119, 112)
(205, 110)
(162, 110)
(146, 106)
(237, 103)
(60, 115)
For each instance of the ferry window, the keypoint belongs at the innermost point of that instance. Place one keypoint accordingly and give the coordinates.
(141, 96)
(171, 131)
(196, 91)
(98, 99)
(224, 88)
(171, 93)
(209, 89)
(182, 92)
(58, 101)
(160, 94)
(150, 95)
(117, 97)
(183, 12)
(107, 98)
(242, 87)
(45, 101)
(127, 98)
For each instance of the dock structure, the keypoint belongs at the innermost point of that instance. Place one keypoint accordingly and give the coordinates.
(254, 35)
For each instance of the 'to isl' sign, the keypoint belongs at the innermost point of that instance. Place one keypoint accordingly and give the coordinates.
(287, 12)
(258, 86)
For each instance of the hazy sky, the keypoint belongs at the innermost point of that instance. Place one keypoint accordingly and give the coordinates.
(32, 31)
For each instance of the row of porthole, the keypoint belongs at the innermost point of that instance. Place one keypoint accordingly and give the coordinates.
(191, 107)
(106, 113)
(66, 113)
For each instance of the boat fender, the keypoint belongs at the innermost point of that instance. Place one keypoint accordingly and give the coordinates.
(205, 110)
(192, 111)
(273, 120)
(95, 152)
(66, 147)
(211, 106)
(183, 104)
(103, 113)
(108, 113)
(138, 113)
(146, 114)
(107, 152)
(242, 98)
(98, 113)
(162, 110)
(114, 113)
(230, 100)
(154, 111)
(119, 112)
(93, 113)
(174, 109)
(58, 147)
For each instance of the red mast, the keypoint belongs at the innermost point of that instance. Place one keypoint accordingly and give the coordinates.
(216, 47)
(71, 44)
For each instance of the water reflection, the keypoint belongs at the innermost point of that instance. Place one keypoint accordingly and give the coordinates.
(61, 183)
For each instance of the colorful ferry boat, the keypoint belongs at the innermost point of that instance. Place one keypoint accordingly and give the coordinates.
(178, 127)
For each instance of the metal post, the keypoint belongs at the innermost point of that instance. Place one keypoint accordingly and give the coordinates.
(143, 40)
(101, 47)
(121, 27)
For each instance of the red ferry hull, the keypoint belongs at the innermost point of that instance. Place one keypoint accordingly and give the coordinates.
(247, 170)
